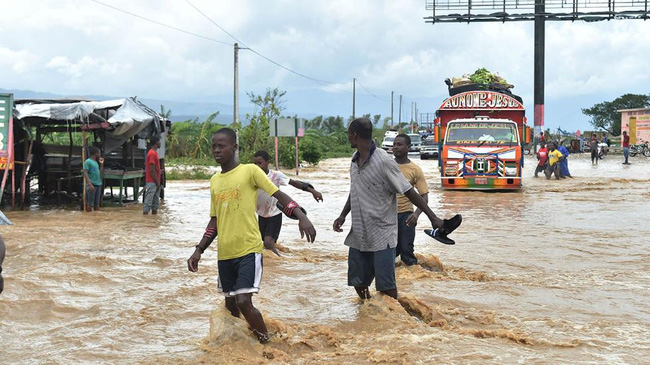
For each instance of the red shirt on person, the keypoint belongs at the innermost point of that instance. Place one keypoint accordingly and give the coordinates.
(626, 141)
(152, 158)
(542, 138)
(542, 155)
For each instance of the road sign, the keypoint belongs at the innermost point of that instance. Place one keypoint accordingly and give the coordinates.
(6, 112)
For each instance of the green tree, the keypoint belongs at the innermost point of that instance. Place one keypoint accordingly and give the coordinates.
(165, 113)
(605, 115)
(255, 136)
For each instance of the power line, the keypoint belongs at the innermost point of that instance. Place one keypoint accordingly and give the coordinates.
(375, 96)
(161, 24)
(330, 84)
(323, 82)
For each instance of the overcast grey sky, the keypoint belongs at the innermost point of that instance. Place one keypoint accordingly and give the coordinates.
(79, 47)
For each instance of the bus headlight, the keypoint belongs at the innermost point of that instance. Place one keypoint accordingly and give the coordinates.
(451, 168)
(511, 170)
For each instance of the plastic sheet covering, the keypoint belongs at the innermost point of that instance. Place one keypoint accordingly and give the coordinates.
(131, 117)
(64, 111)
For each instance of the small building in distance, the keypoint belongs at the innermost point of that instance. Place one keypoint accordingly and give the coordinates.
(637, 124)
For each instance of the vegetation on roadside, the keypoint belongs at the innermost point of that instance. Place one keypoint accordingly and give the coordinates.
(605, 115)
(325, 137)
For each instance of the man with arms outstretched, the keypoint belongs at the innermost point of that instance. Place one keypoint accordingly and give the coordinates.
(270, 216)
(233, 196)
(375, 179)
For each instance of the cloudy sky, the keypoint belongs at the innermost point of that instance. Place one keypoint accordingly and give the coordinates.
(80, 47)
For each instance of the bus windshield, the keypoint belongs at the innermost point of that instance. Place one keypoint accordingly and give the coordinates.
(483, 133)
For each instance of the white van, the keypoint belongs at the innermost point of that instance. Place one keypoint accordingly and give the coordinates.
(387, 143)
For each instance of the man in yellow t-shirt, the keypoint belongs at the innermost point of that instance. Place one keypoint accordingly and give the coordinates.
(233, 197)
(406, 218)
(554, 157)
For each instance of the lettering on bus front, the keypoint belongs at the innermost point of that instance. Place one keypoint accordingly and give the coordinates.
(481, 100)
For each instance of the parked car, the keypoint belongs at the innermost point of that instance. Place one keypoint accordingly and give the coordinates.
(387, 143)
(416, 142)
(429, 149)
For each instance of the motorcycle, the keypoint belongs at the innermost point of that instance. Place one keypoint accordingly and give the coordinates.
(602, 150)
(641, 148)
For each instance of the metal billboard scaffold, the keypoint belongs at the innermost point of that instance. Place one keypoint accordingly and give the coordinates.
(539, 11)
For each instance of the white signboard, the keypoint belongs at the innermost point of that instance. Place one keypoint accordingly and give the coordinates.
(287, 127)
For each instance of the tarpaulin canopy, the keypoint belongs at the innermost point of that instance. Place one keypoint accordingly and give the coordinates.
(129, 119)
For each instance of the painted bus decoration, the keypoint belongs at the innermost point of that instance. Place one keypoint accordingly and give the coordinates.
(481, 136)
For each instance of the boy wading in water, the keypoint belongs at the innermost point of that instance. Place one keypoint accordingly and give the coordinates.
(406, 218)
(375, 179)
(93, 179)
(270, 216)
(233, 196)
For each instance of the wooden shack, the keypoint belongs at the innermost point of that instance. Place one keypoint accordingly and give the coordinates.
(52, 138)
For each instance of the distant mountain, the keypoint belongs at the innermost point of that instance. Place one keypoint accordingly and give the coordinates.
(180, 110)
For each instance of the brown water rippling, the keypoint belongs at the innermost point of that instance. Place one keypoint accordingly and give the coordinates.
(557, 272)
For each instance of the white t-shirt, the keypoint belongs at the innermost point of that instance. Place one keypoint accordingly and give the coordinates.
(266, 204)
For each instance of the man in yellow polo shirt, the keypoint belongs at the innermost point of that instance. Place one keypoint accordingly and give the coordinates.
(554, 157)
(406, 218)
(233, 197)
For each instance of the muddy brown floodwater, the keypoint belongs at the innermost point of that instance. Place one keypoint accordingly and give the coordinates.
(557, 272)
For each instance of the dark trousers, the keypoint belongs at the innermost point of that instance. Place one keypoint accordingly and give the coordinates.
(405, 238)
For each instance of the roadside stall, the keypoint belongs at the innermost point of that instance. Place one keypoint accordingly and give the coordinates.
(52, 138)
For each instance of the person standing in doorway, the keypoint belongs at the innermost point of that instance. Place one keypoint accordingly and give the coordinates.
(406, 218)
(375, 179)
(152, 179)
(626, 147)
(93, 179)
(269, 215)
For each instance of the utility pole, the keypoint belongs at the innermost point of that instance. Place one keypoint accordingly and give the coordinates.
(236, 101)
(400, 112)
(539, 71)
(391, 109)
(354, 94)
(235, 117)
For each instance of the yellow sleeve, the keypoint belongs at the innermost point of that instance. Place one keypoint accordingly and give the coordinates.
(420, 182)
(262, 181)
(213, 207)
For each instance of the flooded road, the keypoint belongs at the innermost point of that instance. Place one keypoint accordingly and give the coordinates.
(558, 272)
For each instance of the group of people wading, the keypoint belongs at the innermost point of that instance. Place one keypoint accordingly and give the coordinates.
(553, 160)
(382, 191)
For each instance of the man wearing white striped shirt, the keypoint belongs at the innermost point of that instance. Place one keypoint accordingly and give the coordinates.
(375, 179)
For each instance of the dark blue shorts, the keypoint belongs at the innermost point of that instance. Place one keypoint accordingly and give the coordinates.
(241, 275)
(363, 267)
(270, 226)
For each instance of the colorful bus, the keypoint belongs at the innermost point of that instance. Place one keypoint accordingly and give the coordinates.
(481, 136)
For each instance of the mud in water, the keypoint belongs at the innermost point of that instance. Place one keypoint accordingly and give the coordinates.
(557, 272)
